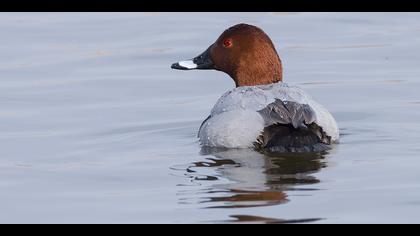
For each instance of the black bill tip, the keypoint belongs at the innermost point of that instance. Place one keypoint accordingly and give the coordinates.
(177, 66)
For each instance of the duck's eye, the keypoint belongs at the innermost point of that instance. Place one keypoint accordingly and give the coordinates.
(227, 43)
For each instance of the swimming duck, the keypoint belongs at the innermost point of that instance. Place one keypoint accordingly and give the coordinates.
(262, 112)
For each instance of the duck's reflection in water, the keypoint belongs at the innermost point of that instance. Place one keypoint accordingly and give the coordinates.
(254, 179)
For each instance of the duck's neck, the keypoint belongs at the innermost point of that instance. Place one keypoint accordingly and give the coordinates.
(265, 68)
(258, 75)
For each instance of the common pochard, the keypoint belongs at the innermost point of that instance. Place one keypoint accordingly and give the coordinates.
(262, 112)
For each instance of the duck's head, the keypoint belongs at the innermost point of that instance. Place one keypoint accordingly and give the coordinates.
(244, 52)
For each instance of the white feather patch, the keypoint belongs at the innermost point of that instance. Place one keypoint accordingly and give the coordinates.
(232, 129)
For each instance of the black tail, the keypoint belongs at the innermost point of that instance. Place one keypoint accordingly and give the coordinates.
(282, 138)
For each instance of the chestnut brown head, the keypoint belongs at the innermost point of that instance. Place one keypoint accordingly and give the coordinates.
(244, 52)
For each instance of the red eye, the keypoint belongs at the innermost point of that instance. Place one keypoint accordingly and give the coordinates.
(227, 43)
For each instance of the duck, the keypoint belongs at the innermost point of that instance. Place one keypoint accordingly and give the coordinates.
(262, 111)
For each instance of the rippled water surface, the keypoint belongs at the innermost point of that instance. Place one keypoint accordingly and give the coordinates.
(96, 128)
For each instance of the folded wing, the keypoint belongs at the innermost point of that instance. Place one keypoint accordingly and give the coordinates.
(291, 127)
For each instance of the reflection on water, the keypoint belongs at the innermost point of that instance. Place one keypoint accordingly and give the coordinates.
(265, 220)
(253, 179)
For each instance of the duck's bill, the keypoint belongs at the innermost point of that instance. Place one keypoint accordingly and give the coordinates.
(184, 65)
(201, 62)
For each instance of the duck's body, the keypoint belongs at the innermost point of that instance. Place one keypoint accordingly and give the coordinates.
(262, 111)
(246, 116)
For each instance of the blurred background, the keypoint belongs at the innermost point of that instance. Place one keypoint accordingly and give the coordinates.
(96, 128)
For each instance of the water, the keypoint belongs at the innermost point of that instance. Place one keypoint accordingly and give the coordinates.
(96, 128)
